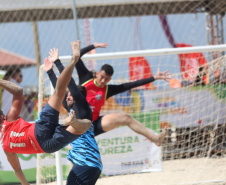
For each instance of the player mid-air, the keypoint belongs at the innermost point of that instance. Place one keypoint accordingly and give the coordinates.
(84, 154)
(98, 92)
(45, 135)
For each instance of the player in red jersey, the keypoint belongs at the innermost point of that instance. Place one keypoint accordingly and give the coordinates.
(98, 91)
(45, 135)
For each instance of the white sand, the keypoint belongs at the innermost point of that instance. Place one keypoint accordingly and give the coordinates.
(189, 171)
(208, 171)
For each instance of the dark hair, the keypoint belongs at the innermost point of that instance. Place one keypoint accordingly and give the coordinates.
(11, 73)
(108, 69)
(82, 90)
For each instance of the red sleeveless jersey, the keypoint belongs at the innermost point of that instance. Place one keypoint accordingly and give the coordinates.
(96, 97)
(19, 137)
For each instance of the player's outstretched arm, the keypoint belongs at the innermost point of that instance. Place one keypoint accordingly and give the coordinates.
(54, 57)
(162, 75)
(83, 73)
(116, 89)
(48, 67)
(15, 163)
(100, 45)
(53, 54)
(17, 102)
(48, 64)
(91, 47)
(11, 87)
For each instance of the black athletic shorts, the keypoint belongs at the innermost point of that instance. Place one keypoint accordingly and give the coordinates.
(50, 135)
(83, 175)
(98, 127)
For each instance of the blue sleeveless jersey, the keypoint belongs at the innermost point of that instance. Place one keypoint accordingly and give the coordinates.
(85, 151)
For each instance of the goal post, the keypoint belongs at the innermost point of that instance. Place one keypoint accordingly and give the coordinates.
(195, 114)
(58, 162)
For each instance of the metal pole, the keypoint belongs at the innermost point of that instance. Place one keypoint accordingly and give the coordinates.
(208, 31)
(75, 19)
(40, 98)
(59, 170)
(37, 49)
(222, 31)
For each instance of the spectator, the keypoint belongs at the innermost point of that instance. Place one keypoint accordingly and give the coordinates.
(27, 110)
(199, 80)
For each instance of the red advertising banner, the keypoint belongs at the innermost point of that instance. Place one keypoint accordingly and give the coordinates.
(190, 64)
(140, 69)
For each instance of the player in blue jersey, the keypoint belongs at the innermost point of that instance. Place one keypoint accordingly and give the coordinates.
(84, 155)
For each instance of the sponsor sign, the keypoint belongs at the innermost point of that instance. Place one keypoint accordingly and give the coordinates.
(123, 151)
(28, 163)
(180, 107)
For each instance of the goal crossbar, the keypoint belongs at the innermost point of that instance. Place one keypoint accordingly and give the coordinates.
(149, 52)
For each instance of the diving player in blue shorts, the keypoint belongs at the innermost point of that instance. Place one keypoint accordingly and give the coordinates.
(84, 155)
(45, 135)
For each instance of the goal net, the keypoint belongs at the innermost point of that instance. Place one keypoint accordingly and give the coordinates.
(29, 29)
(191, 105)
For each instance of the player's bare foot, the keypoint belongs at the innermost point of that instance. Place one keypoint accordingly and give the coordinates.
(76, 50)
(81, 125)
(69, 119)
(160, 137)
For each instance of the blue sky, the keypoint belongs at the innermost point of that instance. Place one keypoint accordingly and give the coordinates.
(118, 32)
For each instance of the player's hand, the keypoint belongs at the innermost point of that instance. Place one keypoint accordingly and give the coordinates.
(162, 75)
(53, 54)
(47, 64)
(100, 45)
